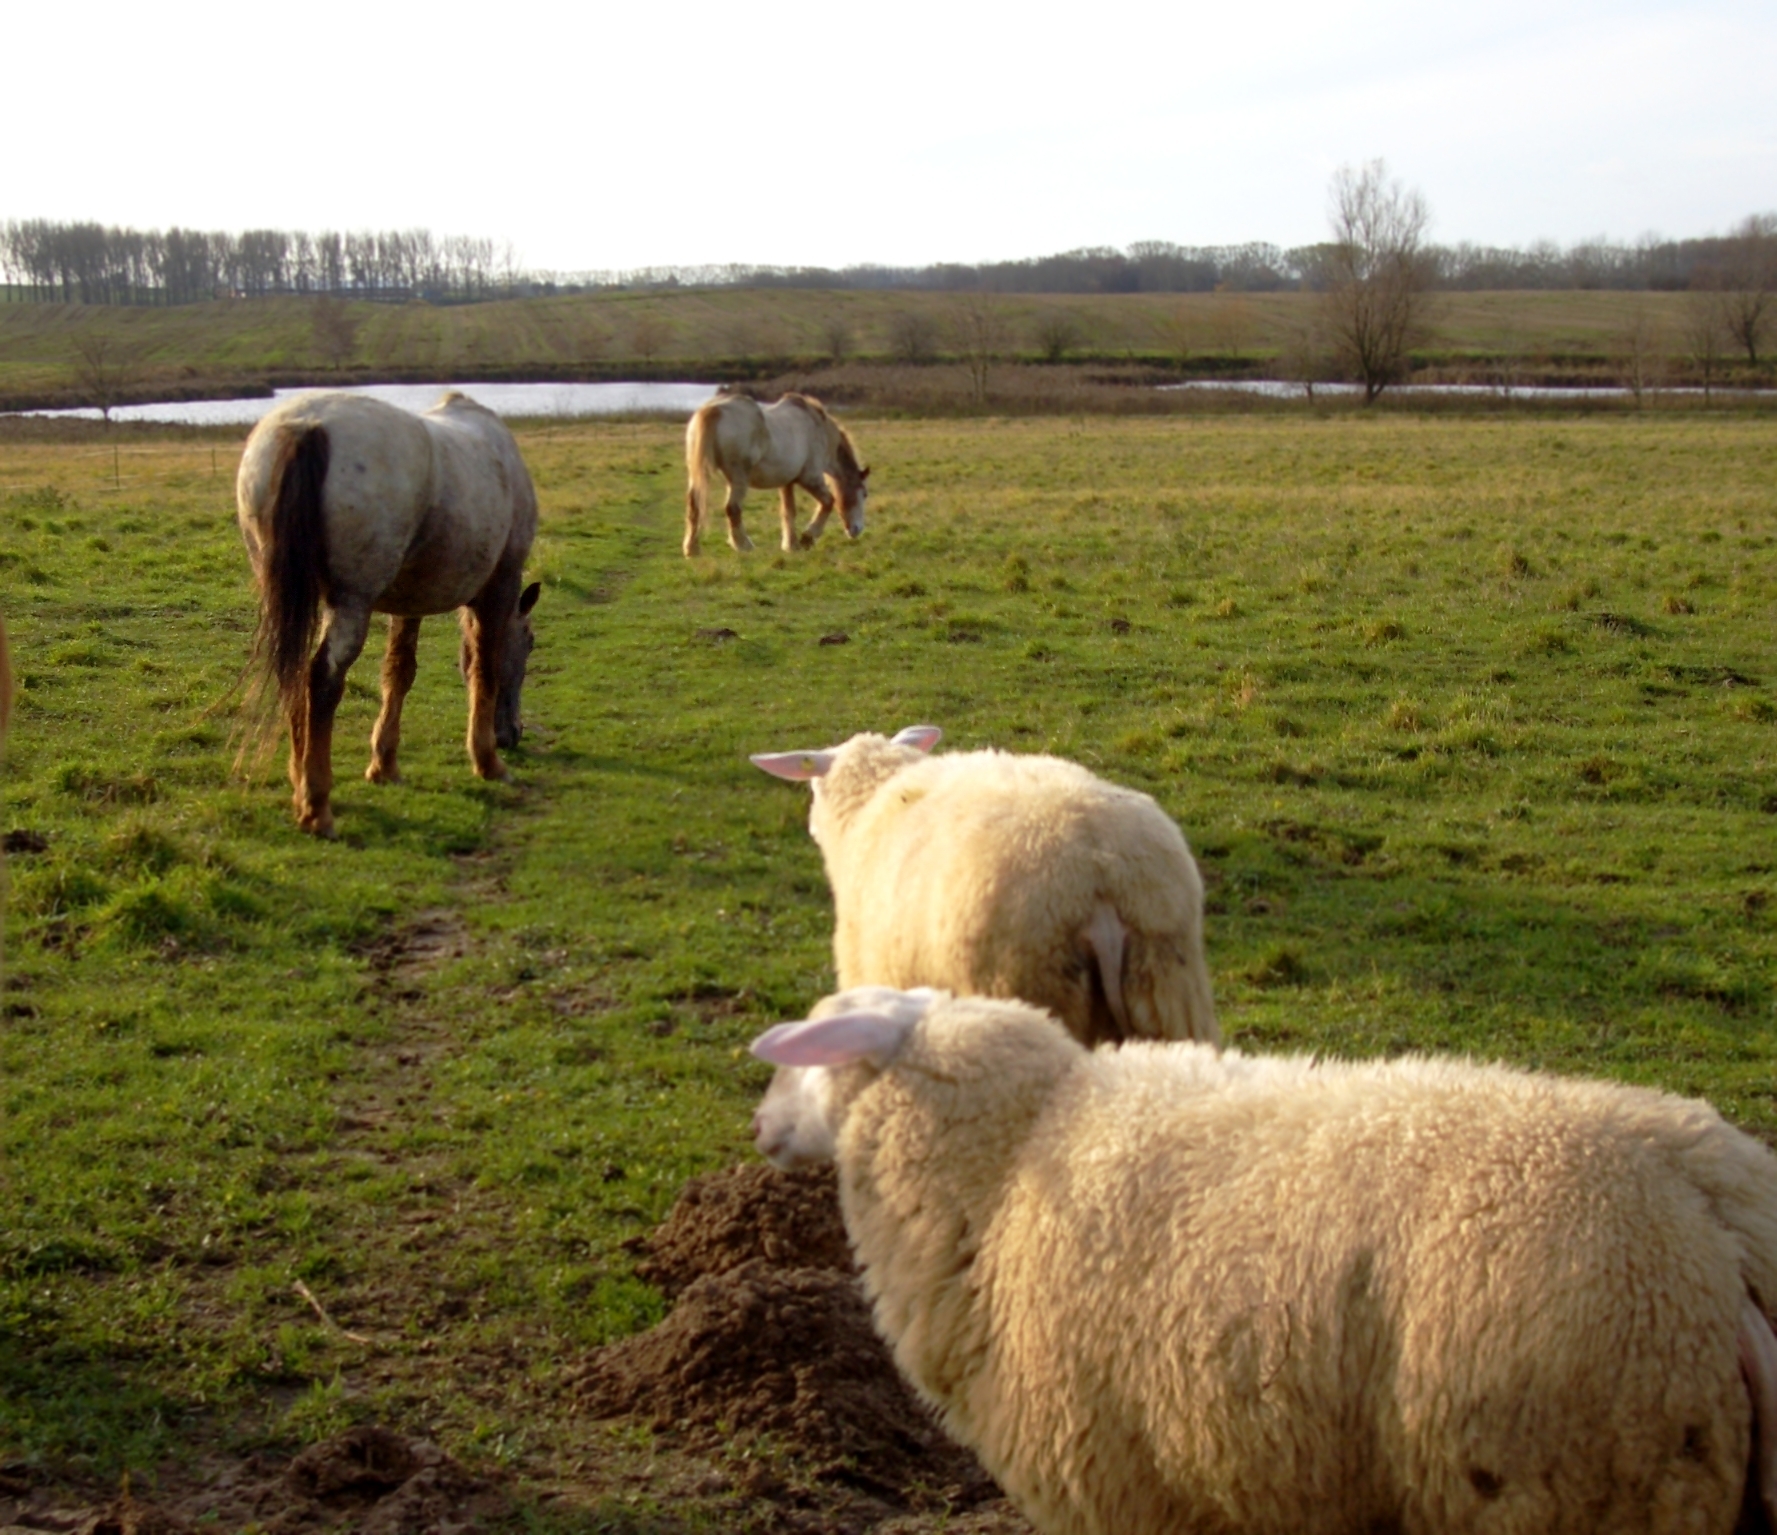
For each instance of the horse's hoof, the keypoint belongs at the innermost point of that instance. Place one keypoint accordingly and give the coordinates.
(806, 541)
(318, 825)
(377, 773)
(495, 770)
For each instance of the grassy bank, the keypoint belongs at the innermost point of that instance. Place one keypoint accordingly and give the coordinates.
(1472, 723)
(756, 333)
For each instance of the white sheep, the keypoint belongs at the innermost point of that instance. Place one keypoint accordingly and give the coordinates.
(1161, 1289)
(1000, 875)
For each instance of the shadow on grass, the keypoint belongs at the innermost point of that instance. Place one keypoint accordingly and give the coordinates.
(64, 1407)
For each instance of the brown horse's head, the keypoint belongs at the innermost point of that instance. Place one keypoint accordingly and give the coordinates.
(853, 483)
(520, 640)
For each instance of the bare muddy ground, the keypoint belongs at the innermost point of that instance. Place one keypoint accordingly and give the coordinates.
(764, 1402)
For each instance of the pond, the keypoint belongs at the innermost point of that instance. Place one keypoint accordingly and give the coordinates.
(1282, 389)
(563, 400)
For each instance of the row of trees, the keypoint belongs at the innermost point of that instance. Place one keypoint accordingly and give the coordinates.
(1155, 266)
(95, 264)
(87, 263)
(1375, 275)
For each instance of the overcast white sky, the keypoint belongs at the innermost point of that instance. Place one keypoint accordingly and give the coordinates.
(602, 135)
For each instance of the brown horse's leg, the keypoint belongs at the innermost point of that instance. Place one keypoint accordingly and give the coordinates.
(341, 640)
(486, 622)
(737, 535)
(818, 524)
(400, 664)
(298, 718)
(787, 512)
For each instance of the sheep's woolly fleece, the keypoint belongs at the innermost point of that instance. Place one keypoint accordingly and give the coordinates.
(997, 874)
(1161, 1289)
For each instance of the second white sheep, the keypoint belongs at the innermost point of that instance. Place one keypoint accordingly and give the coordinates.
(994, 874)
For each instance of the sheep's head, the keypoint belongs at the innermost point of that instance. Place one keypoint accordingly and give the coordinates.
(798, 1120)
(843, 777)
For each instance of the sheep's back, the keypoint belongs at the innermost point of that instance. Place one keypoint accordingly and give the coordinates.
(1308, 1298)
(979, 872)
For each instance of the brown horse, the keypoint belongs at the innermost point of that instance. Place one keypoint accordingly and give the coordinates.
(792, 442)
(350, 506)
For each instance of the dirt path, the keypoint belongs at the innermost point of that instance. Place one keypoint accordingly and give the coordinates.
(763, 1403)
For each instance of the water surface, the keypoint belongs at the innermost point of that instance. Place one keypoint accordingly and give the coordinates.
(559, 400)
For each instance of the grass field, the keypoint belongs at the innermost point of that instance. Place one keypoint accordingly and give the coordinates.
(741, 332)
(1472, 723)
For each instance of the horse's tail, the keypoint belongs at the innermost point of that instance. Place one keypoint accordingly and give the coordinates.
(700, 463)
(293, 573)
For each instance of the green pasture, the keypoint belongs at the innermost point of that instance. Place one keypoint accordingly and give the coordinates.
(1472, 724)
(718, 332)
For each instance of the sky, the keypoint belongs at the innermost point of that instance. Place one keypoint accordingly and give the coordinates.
(599, 136)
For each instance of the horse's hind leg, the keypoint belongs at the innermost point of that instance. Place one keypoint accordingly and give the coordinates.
(737, 535)
(487, 622)
(311, 762)
(787, 512)
(693, 522)
(400, 664)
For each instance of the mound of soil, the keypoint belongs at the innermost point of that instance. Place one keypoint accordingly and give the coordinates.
(791, 1353)
(725, 1219)
(368, 1480)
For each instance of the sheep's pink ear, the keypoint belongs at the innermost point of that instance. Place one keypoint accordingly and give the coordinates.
(923, 737)
(798, 767)
(835, 1041)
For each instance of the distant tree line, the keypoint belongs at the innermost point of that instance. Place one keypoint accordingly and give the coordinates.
(86, 263)
(1156, 266)
(91, 263)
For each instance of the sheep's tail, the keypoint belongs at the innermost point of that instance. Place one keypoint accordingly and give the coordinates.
(700, 464)
(293, 574)
(1758, 1362)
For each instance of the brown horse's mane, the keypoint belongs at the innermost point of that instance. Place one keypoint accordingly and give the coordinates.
(848, 454)
(843, 446)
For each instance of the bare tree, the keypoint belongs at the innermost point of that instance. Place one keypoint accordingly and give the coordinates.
(913, 337)
(1375, 274)
(1748, 283)
(335, 328)
(836, 336)
(1178, 332)
(1230, 321)
(980, 327)
(103, 370)
(1057, 333)
(1705, 334)
(1640, 351)
(1306, 353)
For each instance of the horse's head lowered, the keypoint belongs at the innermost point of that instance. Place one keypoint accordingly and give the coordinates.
(853, 484)
(520, 640)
